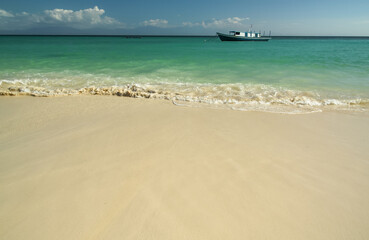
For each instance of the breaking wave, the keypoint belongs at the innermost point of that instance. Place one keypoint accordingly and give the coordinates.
(237, 96)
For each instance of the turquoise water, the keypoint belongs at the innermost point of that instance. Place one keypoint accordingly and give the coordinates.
(300, 73)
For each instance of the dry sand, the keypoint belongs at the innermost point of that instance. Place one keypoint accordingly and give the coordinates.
(96, 167)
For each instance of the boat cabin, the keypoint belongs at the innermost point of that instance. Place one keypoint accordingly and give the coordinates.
(244, 34)
(234, 33)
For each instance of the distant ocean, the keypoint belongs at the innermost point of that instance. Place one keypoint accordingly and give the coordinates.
(290, 75)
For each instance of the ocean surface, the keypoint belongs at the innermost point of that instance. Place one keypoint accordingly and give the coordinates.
(289, 75)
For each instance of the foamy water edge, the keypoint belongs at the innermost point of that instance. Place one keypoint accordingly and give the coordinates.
(243, 97)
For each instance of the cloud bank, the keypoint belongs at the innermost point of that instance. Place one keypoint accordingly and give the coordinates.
(82, 19)
(95, 21)
(218, 23)
(162, 23)
(4, 13)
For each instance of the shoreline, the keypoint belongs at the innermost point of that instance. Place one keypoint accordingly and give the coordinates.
(242, 97)
(104, 167)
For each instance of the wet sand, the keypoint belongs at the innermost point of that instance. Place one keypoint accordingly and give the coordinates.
(99, 167)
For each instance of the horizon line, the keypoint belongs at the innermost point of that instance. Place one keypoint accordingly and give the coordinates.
(172, 35)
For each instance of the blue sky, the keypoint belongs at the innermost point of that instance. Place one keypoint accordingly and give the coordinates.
(282, 17)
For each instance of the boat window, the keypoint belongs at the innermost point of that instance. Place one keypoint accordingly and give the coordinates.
(237, 33)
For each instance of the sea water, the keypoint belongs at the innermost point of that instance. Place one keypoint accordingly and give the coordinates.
(292, 75)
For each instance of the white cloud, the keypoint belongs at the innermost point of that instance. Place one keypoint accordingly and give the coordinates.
(218, 23)
(81, 19)
(156, 23)
(190, 24)
(86, 17)
(22, 14)
(4, 13)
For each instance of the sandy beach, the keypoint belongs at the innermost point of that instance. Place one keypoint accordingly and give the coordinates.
(102, 167)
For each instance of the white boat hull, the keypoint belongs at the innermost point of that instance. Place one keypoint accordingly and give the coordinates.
(227, 37)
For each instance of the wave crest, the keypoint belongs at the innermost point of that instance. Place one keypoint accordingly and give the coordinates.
(233, 96)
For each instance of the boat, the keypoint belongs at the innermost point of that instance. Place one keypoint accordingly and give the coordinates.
(242, 36)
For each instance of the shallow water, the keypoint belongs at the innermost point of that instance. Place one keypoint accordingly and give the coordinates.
(282, 75)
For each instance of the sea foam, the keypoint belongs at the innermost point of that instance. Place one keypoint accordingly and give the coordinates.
(237, 96)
